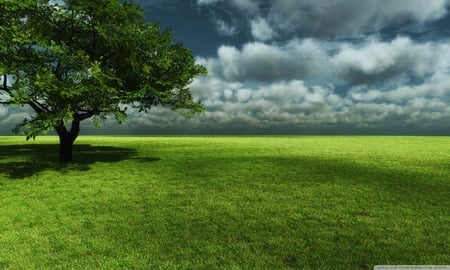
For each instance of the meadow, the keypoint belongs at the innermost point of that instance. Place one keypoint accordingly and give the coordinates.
(236, 202)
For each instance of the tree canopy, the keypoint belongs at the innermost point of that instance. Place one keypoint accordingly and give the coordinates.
(81, 59)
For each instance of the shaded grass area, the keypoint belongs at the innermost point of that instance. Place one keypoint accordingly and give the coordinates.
(225, 203)
(21, 161)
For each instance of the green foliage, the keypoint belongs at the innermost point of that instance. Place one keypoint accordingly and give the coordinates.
(77, 59)
(226, 203)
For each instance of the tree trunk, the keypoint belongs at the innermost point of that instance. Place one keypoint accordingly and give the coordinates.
(66, 140)
(65, 149)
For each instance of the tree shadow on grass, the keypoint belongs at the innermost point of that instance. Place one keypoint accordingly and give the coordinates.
(20, 161)
(404, 182)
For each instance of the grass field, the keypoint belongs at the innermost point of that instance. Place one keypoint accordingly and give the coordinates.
(306, 202)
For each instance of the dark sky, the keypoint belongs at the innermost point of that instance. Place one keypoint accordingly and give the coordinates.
(306, 66)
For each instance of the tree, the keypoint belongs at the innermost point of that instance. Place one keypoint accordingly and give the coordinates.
(74, 60)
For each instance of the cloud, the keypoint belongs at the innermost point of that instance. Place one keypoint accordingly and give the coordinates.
(244, 5)
(261, 30)
(250, 6)
(436, 87)
(399, 61)
(10, 117)
(230, 17)
(351, 17)
(207, 2)
(262, 62)
(277, 104)
(330, 18)
(293, 106)
(3, 112)
(225, 29)
(376, 61)
(315, 85)
(225, 20)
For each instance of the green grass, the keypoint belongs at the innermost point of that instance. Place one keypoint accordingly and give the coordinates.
(306, 202)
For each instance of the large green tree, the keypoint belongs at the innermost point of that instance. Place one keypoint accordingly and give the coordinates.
(82, 59)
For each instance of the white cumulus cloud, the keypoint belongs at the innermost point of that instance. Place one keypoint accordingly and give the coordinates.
(261, 30)
(257, 61)
(379, 61)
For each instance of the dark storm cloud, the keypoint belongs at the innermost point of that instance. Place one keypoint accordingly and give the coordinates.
(332, 18)
(352, 17)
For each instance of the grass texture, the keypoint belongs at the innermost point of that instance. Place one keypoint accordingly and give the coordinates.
(261, 202)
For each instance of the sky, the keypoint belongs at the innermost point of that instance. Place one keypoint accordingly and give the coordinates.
(303, 67)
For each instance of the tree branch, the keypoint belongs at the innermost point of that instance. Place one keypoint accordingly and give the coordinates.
(7, 90)
(82, 116)
(5, 87)
(5, 82)
(37, 106)
(61, 129)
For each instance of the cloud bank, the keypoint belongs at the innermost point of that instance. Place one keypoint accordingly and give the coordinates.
(313, 84)
(332, 18)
